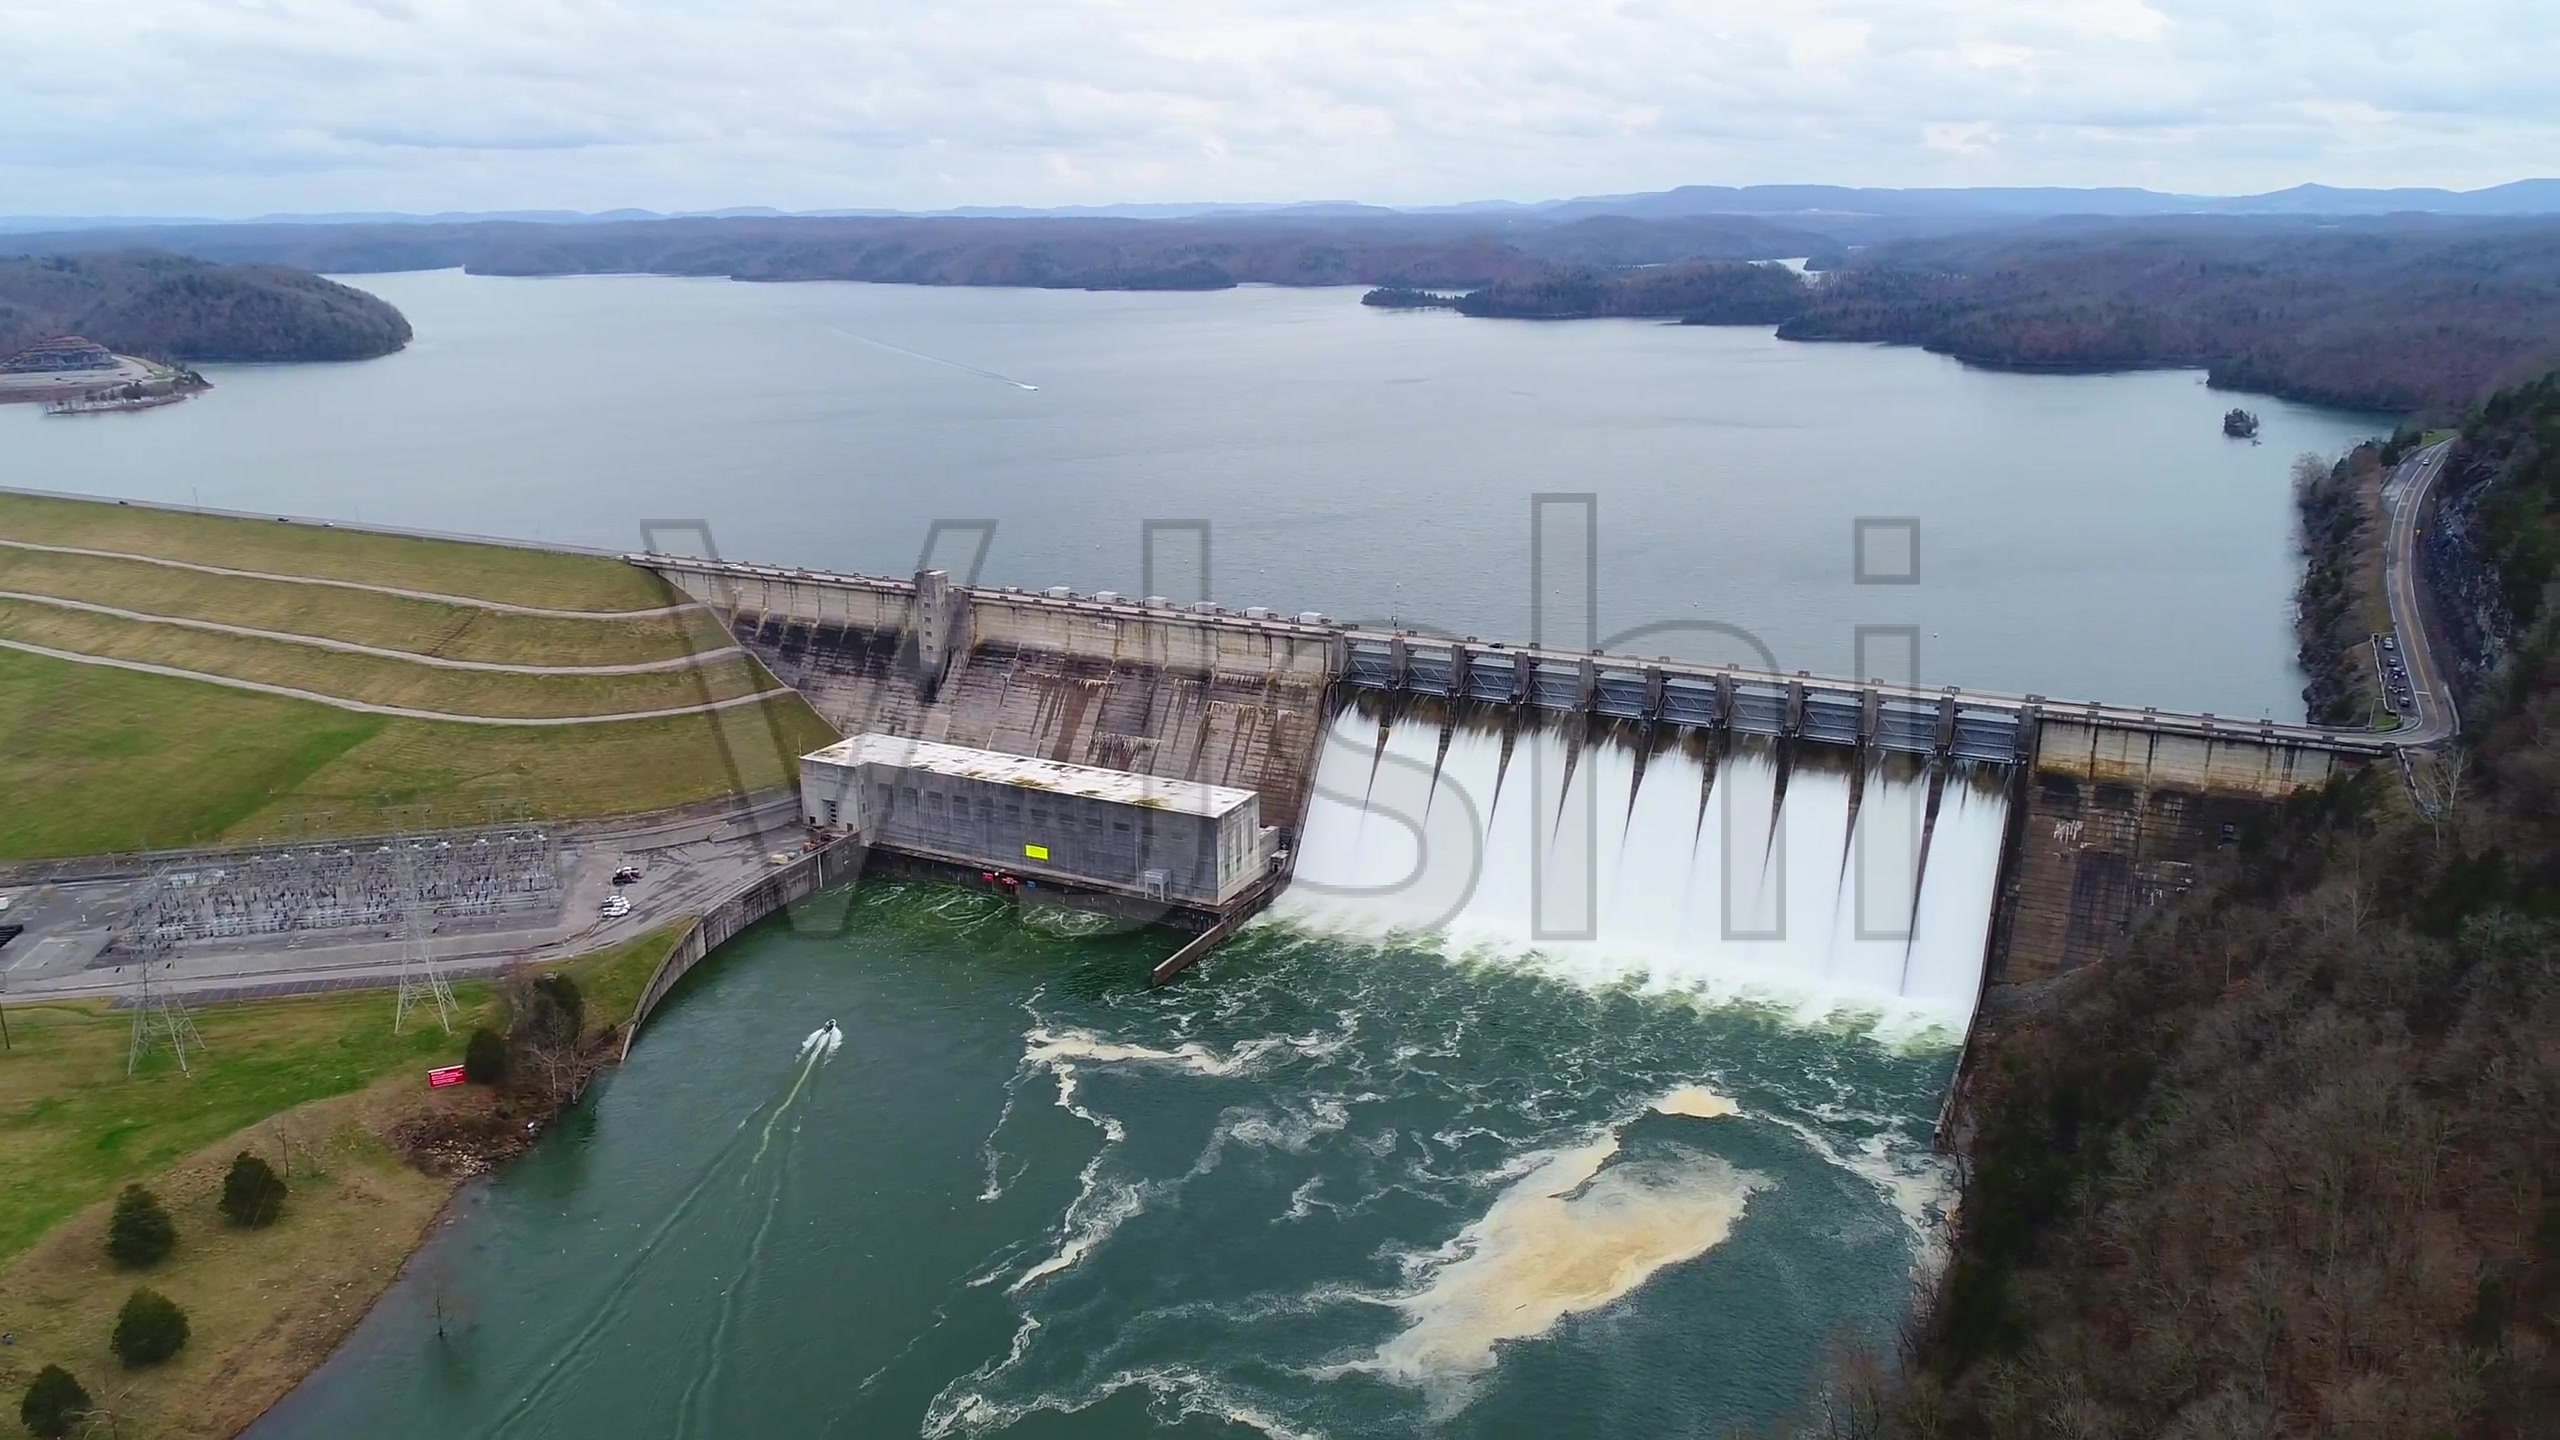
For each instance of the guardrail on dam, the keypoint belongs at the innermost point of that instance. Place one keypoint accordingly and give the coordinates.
(2111, 808)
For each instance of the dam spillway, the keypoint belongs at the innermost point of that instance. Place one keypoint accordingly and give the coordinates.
(1815, 882)
(2113, 807)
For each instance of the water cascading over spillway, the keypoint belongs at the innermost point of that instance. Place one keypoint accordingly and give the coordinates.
(1739, 876)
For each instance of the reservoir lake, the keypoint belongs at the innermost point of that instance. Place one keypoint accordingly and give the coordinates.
(2082, 537)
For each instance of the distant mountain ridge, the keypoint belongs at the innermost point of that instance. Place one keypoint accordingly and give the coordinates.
(2518, 197)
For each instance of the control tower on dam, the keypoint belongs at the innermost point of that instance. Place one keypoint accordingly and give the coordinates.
(2111, 807)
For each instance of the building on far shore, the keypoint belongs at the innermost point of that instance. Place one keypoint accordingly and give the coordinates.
(71, 367)
(60, 355)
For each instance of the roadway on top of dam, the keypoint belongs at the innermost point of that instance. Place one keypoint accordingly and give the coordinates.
(2348, 740)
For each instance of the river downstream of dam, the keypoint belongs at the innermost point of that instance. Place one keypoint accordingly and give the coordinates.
(1389, 1164)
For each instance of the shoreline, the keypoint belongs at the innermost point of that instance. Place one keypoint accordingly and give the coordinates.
(373, 1173)
(474, 1148)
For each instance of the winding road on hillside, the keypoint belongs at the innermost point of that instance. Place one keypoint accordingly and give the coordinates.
(2404, 501)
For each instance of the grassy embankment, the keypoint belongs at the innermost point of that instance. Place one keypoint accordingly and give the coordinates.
(107, 760)
(389, 621)
(375, 680)
(309, 1084)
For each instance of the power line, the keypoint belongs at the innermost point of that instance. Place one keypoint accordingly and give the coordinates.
(421, 981)
(160, 1015)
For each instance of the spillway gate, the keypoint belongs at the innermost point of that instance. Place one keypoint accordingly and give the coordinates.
(1827, 711)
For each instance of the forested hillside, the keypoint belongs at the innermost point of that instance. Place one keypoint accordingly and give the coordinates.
(2290, 1166)
(2340, 506)
(2405, 315)
(1049, 253)
(166, 307)
(1718, 294)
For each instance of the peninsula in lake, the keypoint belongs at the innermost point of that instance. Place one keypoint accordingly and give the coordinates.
(177, 309)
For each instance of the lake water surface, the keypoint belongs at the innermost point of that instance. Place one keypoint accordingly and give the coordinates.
(2093, 537)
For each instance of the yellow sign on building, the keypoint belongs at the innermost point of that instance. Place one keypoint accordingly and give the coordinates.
(1036, 852)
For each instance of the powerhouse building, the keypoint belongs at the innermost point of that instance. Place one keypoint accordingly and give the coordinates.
(1136, 835)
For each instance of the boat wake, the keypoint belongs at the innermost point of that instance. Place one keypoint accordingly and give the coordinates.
(962, 365)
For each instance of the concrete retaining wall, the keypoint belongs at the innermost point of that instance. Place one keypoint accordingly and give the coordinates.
(2113, 821)
(2241, 763)
(787, 884)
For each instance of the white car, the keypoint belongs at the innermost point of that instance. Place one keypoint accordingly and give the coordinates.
(616, 908)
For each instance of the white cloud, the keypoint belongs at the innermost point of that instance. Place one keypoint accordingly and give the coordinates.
(1972, 137)
(210, 107)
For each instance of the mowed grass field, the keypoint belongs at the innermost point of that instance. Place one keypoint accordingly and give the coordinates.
(107, 761)
(101, 760)
(488, 572)
(308, 1084)
(376, 679)
(390, 622)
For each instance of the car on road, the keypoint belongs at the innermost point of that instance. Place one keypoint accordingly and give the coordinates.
(615, 907)
(627, 875)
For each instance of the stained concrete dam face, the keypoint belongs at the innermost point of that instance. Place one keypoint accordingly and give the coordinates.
(1807, 879)
(1162, 700)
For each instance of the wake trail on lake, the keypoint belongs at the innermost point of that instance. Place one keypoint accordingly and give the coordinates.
(980, 371)
(567, 1359)
(703, 1382)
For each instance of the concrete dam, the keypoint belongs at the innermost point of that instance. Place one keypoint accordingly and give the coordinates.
(2025, 833)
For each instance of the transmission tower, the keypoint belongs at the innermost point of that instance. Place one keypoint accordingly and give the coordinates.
(159, 1012)
(421, 982)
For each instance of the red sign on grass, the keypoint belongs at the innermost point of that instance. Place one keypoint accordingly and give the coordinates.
(444, 1075)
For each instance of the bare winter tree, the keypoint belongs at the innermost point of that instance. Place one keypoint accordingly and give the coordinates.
(545, 1032)
(108, 1411)
(2341, 909)
(2441, 779)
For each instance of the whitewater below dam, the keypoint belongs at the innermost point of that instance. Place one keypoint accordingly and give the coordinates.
(1391, 1163)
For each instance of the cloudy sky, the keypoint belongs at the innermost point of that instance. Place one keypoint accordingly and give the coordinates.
(232, 107)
